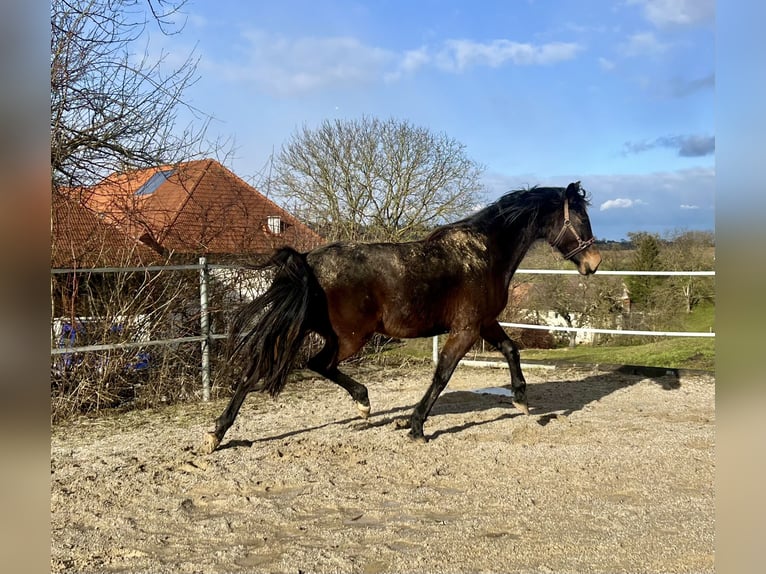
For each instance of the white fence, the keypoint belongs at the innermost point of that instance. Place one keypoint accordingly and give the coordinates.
(206, 336)
(591, 329)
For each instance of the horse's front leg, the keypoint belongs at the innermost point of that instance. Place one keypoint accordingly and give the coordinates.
(496, 336)
(454, 349)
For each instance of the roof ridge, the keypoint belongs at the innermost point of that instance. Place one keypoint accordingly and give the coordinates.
(274, 204)
(253, 189)
(169, 227)
(202, 205)
(282, 212)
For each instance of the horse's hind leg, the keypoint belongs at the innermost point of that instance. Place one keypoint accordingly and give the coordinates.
(224, 422)
(496, 336)
(325, 363)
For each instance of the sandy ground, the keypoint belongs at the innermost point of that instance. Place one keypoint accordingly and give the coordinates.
(611, 472)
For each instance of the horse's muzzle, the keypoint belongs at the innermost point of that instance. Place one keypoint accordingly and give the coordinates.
(589, 261)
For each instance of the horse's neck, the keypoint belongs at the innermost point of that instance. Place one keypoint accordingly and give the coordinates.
(511, 246)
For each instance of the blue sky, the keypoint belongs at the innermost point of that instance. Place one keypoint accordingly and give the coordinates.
(619, 95)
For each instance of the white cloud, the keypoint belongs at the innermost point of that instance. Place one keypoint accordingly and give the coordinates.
(414, 59)
(288, 66)
(685, 206)
(677, 12)
(459, 55)
(621, 203)
(409, 63)
(643, 43)
(605, 64)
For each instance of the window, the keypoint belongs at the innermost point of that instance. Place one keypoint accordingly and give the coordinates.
(154, 182)
(275, 224)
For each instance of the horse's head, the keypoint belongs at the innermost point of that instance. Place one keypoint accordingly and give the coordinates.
(571, 233)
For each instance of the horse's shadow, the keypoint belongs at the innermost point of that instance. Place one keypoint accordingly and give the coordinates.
(551, 399)
(548, 400)
(379, 419)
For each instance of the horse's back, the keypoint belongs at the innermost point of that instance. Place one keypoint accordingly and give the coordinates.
(386, 269)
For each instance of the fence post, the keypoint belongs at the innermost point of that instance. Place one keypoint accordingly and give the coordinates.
(204, 321)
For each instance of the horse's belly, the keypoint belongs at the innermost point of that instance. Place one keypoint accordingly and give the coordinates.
(411, 321)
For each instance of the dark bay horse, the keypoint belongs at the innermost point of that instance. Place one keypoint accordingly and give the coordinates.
(454, 281)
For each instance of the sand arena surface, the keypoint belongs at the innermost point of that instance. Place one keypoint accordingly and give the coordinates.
(611, 472)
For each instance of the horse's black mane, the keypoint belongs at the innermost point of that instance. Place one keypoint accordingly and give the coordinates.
(517, 205)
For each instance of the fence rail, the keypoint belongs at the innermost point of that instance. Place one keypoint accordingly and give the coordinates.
(614, 331)
(610, 331)
(435, 350)
(206, 335)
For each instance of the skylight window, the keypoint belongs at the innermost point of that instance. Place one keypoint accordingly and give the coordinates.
(275, 224)
(155, 181)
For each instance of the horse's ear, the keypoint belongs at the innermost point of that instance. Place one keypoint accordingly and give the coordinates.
(574, 190)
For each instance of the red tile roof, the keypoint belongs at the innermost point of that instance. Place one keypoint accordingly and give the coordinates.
(199, 207)
(81, 239)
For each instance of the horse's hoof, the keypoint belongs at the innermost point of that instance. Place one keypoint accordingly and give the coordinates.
(420, 439)
(210, 443)
(364, 410)
(400, 424)
(522, 406)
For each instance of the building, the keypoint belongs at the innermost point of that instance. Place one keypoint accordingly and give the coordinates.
(196, 208)
(80, 239)
(154, 216)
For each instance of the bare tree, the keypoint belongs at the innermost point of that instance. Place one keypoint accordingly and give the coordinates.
(595, 302)
(376, 180)
(691, 251)
(579, 303)
(113, 107)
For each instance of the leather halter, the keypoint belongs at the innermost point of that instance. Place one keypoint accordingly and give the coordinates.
(581, 245)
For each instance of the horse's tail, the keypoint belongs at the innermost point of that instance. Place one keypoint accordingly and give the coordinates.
(268, 331)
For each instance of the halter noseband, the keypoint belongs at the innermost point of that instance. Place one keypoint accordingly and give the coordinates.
(581, 245)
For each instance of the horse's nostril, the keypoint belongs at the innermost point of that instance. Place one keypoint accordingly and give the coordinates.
(596, 262)
(589, 265)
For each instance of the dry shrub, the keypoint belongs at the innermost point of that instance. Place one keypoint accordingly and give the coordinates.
(123, 308)
(532, 338)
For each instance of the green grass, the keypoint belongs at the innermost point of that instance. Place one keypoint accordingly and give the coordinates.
(671, 353)
(675, 353)
(668, 352)
(701, 319)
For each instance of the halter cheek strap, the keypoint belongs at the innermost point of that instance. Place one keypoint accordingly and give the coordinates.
(581, 245)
